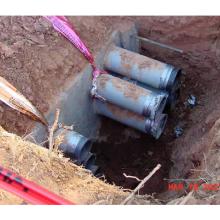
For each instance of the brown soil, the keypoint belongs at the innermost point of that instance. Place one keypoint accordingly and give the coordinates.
(199, 38)
(127, 151)
(36, 60)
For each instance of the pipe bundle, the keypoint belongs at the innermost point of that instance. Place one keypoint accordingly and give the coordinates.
(138, 95)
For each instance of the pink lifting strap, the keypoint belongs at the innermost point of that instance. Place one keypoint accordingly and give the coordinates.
(62, 25)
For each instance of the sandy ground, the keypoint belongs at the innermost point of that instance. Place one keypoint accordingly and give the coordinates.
(53, 172)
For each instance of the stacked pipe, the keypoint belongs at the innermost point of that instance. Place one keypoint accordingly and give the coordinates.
(138, 96)
(147, 72)
(77, 147)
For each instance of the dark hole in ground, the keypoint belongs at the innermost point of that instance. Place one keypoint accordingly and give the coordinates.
(133, 153)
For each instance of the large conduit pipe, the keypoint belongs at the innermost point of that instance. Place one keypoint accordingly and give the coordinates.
(131, 119)
(141, 68)
(77, 147)
(172, 97)
(73, 143)
(130, 96)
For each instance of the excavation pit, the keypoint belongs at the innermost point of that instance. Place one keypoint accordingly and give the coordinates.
(121, 150)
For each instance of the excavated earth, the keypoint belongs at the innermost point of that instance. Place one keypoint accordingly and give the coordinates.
(38, 61)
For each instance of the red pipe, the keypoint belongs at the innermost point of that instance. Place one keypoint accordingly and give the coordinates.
(29, 191)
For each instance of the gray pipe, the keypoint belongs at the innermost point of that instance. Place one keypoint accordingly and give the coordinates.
(131, 119)
(141, 68)
(74, 144)
(77, 147)
(130, 96)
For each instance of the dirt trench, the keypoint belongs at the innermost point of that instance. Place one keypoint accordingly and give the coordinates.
(41, 59)
(126, 151)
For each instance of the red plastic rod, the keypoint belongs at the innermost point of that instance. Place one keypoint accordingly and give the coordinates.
(28, 190)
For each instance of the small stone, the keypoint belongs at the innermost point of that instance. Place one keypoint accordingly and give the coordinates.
(192, 101)
(178, 131)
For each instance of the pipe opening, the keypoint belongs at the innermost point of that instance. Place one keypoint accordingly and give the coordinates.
(172, 101)
(89, 161)
(174, 80)
(174, 93)
(86, 147)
